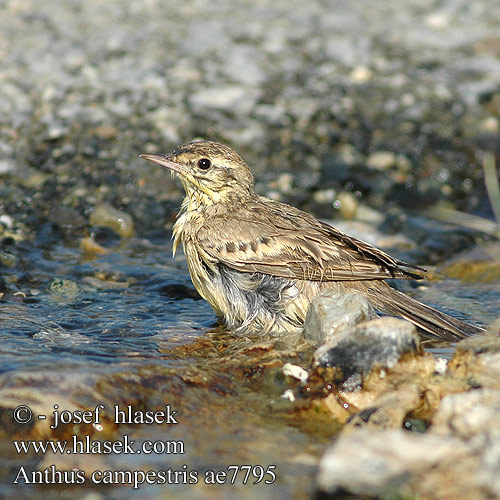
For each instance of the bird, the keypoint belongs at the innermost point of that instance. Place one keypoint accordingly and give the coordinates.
(260, 262)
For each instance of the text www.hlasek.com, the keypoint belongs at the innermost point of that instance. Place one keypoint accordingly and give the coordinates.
(23, 414)
(86, 446)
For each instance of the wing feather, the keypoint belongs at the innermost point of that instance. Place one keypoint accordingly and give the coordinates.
(281, 240)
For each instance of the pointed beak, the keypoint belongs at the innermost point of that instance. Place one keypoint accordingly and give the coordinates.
(164, 161)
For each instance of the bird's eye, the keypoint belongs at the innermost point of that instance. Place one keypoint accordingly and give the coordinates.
(204, 164)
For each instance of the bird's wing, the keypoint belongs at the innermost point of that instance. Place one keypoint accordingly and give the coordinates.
(283, 241)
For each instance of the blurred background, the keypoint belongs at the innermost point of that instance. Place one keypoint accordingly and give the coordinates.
(367, 114)
(391, 104)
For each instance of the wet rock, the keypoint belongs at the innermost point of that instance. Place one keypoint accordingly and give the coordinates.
(67, 217)
(284, 183)
(7, 166)
(40, 391)
(380, 343)
(64, 290)
(477, 265)
(332, 312)
(392, 398)
(388, 409)
(56, 130)
(149, 212)
(387, 385)
(3, 286)
(105, 236)
(48, 235)
(108, 216)
(295, 371)
(439, 244)
(369, 233)
(26, 176)
(106, 132)
(105, 281)
(490, 125)
(90, 247)
(365, 213)
(7, 259)
(177, 291)
(478, 359)
(377, 375)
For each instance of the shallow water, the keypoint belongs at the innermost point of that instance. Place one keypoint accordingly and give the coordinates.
(127, 328)
(122, 330)
(111, 311)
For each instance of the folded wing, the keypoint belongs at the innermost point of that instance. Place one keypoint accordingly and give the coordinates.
(299, 247)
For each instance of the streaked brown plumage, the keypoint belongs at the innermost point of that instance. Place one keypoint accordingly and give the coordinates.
(259, 263)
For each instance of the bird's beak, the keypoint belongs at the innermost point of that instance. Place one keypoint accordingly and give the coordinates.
(164, 161)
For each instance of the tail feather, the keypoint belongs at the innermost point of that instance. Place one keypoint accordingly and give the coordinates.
(438, 324)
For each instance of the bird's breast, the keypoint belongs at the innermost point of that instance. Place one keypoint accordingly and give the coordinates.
(202, 273)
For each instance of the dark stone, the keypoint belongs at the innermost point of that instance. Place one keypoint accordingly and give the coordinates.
(355, 352)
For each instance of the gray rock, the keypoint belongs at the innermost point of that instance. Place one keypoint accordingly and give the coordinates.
(379, 343)
(469, 415)
(67, 217)
(332, 312)
(383, 463)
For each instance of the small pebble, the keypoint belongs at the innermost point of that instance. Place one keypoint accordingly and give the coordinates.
(381, 160)
(108, 216)
(295, 371)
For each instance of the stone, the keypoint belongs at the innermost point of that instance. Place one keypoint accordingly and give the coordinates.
(474, 418)
(230, 98)
(389, 410)
(468, 415)
(64, 290)
(475, 265)
(361, 74)
(332, 312)
(379, 343)
(295, 371)
(478, 359)
(108, 216)
(346, 204)
(381, 160)
(395, 463)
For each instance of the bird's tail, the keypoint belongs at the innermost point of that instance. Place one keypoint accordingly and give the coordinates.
(438, 324)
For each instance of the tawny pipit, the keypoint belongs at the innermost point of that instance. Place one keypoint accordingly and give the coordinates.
(259, 263)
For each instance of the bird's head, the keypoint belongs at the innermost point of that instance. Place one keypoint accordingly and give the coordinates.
(210, 172)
